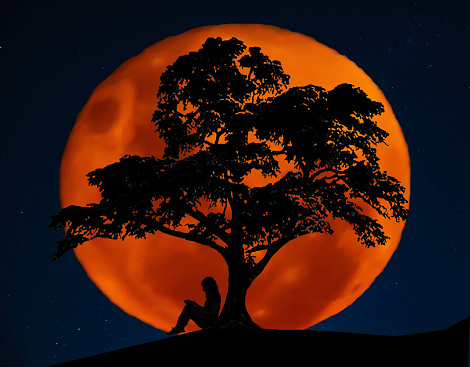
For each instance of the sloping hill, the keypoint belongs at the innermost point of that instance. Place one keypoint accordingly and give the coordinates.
(230, 346)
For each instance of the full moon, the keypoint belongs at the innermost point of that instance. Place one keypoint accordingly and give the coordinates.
(310, 279)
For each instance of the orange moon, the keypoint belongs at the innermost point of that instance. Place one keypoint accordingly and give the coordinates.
(310, 279)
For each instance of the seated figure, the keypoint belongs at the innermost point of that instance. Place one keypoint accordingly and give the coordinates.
(204, 316)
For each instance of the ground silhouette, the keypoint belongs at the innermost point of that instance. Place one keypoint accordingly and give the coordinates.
(254, 347)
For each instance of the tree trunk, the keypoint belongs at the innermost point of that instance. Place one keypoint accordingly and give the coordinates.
(234, 312)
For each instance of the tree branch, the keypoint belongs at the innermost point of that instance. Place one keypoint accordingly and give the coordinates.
(319, 172)
(278, 152)
(201, 217)
(272, 249)
(257, 248)
(192, 237)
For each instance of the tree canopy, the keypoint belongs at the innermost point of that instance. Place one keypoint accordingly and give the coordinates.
(223, 113)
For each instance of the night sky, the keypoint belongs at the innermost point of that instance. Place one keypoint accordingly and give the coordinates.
(54, 53)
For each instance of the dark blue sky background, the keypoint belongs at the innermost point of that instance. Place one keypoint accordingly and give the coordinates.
(54, 53)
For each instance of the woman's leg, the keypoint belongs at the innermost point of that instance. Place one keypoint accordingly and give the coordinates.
(184, 317)
(192, 313)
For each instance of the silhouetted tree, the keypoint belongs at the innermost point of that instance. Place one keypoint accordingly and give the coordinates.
(224, 112)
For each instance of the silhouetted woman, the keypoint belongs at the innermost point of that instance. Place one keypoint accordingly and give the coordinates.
(204, 317)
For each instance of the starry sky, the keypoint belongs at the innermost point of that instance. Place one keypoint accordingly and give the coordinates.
(55, 52)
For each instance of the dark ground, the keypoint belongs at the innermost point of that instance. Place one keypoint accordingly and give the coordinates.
(448, 347)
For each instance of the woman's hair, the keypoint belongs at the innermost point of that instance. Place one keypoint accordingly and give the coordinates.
(210, 283)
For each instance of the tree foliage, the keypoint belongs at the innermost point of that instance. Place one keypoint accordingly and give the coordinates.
(224, 112)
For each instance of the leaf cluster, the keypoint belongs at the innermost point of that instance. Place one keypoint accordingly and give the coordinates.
(206, 93)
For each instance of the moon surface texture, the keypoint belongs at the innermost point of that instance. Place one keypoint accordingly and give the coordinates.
(310, 279)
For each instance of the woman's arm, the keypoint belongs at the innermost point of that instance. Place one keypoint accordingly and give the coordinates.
(194, 304)
(213, 311)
